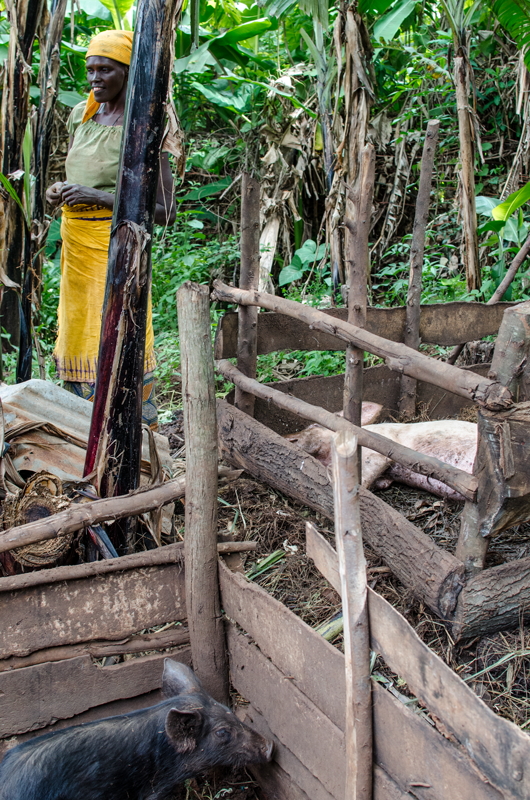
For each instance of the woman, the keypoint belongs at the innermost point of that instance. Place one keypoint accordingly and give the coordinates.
(95, 129)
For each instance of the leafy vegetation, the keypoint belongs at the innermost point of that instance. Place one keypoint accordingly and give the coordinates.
(252, 84)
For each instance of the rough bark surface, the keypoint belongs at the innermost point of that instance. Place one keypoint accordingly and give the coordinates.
(431, 573)
(358, 216)
(249, 279)
(200, 543)
(114, 446)
(412, 328)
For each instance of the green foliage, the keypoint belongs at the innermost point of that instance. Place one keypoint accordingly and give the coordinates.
(305, 259)
(514, 16)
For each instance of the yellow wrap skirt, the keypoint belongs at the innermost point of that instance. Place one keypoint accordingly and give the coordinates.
(85, 234)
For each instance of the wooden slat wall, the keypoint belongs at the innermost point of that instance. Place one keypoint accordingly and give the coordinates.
(33, 697)
(406, 747)
(77, 611)
(445, 324)
(499, 748)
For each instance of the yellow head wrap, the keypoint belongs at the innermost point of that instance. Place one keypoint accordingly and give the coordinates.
(110, 44)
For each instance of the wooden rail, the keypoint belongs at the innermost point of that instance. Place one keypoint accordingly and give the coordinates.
(418, 462)
(484, 392)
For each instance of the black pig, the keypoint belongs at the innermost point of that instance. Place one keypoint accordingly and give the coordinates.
(143, 755)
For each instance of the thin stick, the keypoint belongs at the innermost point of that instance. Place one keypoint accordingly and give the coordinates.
(407, 405)
(499, 291)
(358, 227)
(200, 425)
(418, 462)
(247, 339)
(352, 568)
(482, 391)
(79, 516)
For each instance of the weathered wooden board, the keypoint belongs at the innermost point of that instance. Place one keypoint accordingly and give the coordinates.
(444, 323)
(297, 722)
(109, 607)
(415, 755)
(169, 554)
(380, 385)
(33, 697)
(499, 748)
(113, 709)
(173, 637)
(433, 574)
(286, 778)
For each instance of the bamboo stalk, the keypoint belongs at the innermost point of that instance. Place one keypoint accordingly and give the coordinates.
(24, 17)
(407, 405)
(354, 592)
(417, 462)
(484, 392)
(114, 445)
(200, 544)
(247, 337)
(467, 173)
(358, 230)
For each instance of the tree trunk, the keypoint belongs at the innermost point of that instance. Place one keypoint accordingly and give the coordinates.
(200, 540)
(407, 404)
(247, 336)
(467, 174)
(114, 445)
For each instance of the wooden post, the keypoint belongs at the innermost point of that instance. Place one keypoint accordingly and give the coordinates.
(352, 568)
(115, 439)
(407, 404)
(249, 279)
(200, 540)
(499, 443)
(358, 230)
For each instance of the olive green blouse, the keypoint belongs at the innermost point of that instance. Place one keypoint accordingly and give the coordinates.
(95, 152)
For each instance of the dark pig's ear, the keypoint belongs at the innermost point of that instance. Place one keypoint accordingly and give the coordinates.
(184, 728)
(179, 679)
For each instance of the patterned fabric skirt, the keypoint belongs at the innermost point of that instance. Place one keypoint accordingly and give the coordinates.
(149, 411)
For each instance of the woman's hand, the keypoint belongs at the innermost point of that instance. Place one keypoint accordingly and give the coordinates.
(54, 194)
(76, 195)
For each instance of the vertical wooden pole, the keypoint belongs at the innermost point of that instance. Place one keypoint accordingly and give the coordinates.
(510, 366)
(467, 172)
(407, 404)
(247, 358)
(358, 230)
(200, 539)
(352, 568)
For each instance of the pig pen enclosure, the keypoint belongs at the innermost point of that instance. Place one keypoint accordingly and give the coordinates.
(442, 741)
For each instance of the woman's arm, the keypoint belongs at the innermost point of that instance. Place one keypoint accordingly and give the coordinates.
(75, 194)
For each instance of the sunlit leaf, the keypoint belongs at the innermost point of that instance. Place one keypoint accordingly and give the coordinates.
(289, 274)
(512, 203)
(205, 191)
(69, 98)
(387, 27)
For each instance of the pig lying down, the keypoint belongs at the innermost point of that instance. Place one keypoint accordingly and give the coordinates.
(143, 755)
(450, 440)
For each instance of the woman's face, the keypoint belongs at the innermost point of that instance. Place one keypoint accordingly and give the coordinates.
(107, 78)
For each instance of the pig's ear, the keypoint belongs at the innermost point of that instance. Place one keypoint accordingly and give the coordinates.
(178, 679)
(183, 728)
